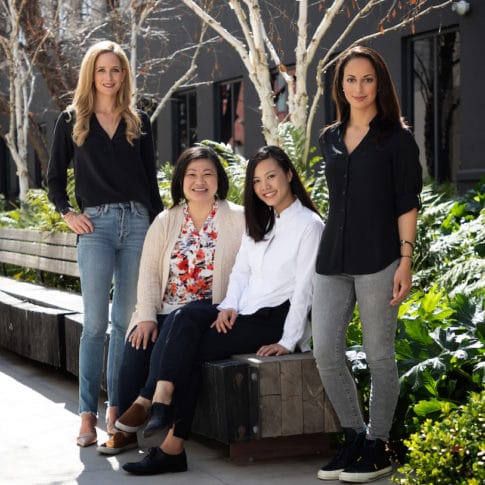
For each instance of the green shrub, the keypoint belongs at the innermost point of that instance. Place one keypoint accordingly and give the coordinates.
(450, 451)
(450, 242)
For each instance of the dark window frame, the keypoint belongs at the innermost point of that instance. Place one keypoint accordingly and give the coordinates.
(440, 163)
(189, 98)
(222, 131)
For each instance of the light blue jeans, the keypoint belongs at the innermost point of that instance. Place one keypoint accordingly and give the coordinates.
(334, 300)
(109, 255)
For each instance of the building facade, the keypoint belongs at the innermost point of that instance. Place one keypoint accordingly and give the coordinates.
(438, 67)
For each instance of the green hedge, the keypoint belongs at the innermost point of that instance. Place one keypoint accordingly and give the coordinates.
(450, 451)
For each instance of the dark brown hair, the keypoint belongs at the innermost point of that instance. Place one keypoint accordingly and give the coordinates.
(189, 155)
(388, 110)
(260, 218)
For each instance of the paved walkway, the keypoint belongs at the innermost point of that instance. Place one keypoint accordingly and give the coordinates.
(38, 422)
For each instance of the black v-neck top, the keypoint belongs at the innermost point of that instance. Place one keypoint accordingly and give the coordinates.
(106, 170)
(368, 190)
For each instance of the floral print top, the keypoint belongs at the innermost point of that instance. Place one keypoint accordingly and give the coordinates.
(192, 262)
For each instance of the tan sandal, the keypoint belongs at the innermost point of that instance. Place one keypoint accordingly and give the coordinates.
(90, 437)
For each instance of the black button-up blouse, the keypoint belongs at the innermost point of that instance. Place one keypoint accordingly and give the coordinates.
(106, 170)
(368, 190)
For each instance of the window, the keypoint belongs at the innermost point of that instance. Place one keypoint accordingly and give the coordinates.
(230, 110)
(280, 89)
(184, 121)
(432, 99)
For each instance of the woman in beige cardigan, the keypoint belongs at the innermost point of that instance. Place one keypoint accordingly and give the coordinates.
(188, 254)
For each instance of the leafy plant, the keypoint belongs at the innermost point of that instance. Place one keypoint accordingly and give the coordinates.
(440, 347)
(164, 178)
(449, 451)
(450, 243)
(37, 212)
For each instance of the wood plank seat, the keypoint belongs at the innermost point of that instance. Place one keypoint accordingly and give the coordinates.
(41, 295)
(45, 251)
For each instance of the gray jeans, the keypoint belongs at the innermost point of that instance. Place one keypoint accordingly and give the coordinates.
(334, 299)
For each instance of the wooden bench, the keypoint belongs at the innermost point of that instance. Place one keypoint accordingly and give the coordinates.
(60, 312)
(265, 407)
(44, 251)
(260, 407)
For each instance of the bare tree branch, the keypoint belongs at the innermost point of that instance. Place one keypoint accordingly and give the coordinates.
(184, 78)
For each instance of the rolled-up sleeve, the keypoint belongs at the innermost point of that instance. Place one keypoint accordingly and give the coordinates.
(408, 180)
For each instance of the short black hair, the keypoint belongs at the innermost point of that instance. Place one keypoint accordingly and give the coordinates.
(197, 152)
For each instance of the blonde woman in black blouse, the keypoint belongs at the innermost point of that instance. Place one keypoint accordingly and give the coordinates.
(374, 179)
(110, 146)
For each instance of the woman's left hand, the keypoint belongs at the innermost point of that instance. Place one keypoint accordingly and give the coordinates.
(273, 349)
(225, 320)
(402, 282)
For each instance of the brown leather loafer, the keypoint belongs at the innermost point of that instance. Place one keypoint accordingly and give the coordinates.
(132, 419)
(118, 443)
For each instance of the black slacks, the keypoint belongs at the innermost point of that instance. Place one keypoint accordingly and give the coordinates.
(138, 372)
(190, 341)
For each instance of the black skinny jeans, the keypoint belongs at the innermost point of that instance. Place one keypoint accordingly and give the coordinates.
(190, 341)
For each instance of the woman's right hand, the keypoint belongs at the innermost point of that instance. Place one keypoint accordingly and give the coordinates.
(78, 223)
(225, 320)
(142, 334)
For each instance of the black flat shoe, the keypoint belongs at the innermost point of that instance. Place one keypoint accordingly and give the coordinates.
(161, 418)
(157, 462)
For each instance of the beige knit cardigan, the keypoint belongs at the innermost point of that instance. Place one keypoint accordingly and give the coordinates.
(157, 250)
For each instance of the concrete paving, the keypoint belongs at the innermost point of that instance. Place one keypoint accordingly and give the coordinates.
(39, 422)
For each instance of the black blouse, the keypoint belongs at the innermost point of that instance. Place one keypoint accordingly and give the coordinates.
(106, 170)
(368, 190)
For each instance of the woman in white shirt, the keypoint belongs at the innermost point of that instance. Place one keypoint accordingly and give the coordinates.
(265, 309)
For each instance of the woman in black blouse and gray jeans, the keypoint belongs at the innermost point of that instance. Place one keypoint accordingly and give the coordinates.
(374, 179)
(110, 146)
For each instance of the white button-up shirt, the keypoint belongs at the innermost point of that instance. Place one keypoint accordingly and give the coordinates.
(279, 268)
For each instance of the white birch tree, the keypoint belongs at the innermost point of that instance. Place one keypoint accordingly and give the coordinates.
(21, 83)
(260, 53)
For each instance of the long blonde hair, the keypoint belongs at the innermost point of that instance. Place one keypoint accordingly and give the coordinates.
(84, 95)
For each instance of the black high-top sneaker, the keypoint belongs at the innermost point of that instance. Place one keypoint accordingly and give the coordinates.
(373, 463)
(347, 455)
